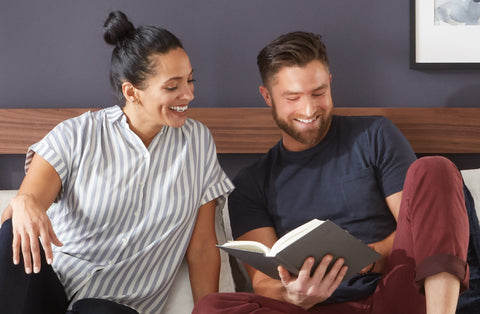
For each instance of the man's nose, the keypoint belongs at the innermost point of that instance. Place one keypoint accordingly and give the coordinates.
(307, 107)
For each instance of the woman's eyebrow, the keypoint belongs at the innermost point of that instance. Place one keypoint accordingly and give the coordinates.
(176, 78)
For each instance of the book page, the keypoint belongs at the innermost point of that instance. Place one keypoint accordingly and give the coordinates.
(248, 246)
(293, 235)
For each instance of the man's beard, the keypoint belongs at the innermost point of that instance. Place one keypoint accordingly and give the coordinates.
(309, 137)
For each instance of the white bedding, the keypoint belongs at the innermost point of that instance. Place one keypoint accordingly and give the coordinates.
(472, 181)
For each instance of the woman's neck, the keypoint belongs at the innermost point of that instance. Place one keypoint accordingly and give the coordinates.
(143, 129)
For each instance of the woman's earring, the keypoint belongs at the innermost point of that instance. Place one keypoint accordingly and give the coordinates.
(135, 101)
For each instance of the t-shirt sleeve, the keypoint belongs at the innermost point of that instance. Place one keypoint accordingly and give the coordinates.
(246, 205)
(393, 156)
(56, 149)
(216, 183)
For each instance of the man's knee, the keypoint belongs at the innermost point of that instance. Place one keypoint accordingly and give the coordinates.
(435, 173)
(239, 302)
(435, 167)
(205, 304)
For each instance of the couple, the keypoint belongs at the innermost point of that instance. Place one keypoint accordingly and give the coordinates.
(133, 190)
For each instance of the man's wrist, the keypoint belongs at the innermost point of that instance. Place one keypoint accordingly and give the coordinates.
(371, 268)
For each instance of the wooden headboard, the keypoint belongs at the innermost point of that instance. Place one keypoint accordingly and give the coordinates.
(252, 130)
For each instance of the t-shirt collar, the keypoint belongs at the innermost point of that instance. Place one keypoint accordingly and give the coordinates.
(289, 155)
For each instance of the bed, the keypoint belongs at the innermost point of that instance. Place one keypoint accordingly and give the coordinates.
(445, 131)
(429, 130)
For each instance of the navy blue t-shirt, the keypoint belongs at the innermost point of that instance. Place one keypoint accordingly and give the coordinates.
(345, 178)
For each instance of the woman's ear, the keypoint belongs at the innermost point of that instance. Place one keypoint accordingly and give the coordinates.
(129, 91)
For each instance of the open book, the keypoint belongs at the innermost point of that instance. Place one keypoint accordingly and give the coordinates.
(315, 238)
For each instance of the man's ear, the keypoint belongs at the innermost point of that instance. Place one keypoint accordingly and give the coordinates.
(266, 95)
(129, 92)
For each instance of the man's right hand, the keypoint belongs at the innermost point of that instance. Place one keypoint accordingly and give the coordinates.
(304, 290)
(31, 223)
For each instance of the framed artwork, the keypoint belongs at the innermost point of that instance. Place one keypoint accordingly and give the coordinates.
(445, 34)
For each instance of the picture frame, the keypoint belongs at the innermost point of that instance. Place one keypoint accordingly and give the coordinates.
(439, 42)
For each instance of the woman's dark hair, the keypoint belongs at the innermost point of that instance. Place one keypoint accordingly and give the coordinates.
(131, 58)
(291, 49)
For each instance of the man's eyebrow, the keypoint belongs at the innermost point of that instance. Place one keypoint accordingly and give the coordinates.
(323, 86)
(292, 93)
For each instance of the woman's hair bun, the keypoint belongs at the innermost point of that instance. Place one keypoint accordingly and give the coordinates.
(116, 27)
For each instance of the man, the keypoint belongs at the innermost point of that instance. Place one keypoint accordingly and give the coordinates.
(352, 171)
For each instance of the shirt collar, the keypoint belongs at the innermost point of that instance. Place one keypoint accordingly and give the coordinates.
(114, 114)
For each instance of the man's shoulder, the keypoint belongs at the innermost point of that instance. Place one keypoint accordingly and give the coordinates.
(355, 124)
(360, 120)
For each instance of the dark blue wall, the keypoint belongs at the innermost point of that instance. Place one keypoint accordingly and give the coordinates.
(52, 54)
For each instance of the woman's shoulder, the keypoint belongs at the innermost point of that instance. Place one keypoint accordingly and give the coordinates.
(87, 121)
(111, 114)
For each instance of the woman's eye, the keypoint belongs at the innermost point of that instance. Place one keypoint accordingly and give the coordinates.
(171, 89)
(191, 81)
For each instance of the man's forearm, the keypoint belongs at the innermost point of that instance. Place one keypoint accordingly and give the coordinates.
(269, 287)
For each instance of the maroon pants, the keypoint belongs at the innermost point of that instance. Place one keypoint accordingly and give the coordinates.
(432, 237)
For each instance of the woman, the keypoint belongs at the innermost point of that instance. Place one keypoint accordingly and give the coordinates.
(134, 190)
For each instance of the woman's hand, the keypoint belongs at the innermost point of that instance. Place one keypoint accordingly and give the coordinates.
(28, 210)
(305, 291)
(31, 223)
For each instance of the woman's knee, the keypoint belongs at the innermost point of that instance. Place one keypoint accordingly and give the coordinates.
(99, 306)
(6, 239)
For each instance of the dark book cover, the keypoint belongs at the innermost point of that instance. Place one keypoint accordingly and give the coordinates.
(327, 238)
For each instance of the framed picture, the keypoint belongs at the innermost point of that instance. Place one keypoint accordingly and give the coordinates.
(445, 34)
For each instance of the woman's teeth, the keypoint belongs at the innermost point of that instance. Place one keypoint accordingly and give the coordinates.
(178, 108)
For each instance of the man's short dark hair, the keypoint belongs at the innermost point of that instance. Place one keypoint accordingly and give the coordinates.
(291, 49)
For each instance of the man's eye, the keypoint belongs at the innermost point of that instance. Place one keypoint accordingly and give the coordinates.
(192, 81)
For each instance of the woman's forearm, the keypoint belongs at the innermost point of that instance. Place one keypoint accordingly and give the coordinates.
(204, 269)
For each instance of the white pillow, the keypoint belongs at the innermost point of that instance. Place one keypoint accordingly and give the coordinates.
(5, 197)
(472, 181)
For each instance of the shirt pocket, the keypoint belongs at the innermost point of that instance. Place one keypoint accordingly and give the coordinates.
(362, 195)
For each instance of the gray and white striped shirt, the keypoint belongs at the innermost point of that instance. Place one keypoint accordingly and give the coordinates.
(126, 212)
